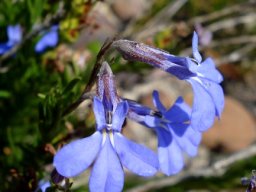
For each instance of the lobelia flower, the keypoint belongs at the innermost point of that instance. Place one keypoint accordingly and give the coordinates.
(48, 40)
(14, 34)
(250, 182)
(203, 76)
(43, 185)
(107, 150)
(174, 132)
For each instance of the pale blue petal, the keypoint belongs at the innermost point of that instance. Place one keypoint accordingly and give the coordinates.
(169, 153)
(157, 102)
(194, 136)
(203, 111)
(208, 70)
(138, 108)
(50, 39)
(119, 115)
(152, 121)
(179, 112)
(99, 113)
(195, 51)
(216, 92)
(182, 72)
(44, 185)
(186, 140)
(77, 156)
(137, 158)
(14, 34)
(107, 173)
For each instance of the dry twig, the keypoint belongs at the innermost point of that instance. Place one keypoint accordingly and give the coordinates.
(232, 22)
(158, 22)
(245, 39)
(223, 12)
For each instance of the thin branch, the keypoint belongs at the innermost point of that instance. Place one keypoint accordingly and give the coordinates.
(224, 42)
(47, 23)
(159, 20)
(223, 12)
(232, 22)
(165, 14)
(236, 55)
(218, 25)
(217, 169)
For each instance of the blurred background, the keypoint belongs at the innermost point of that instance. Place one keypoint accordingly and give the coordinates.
(47, 52)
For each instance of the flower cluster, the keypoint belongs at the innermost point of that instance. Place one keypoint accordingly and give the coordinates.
(48, 39)
(178, 129)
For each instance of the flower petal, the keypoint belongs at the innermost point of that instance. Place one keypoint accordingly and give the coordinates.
(203, 111)
(169, 153)
(208, 70)
(99, 113)
(152, 121)
(188, 140)
(179, 112)
(195, 51)
(78, 155)
(50, 39)
(157, 102)
(194, 136)
(119, 115)
(138, 108)
(107, 173)
(135, 157)
(4, 48)
(14, 34)
(43, 185)
(216, 92)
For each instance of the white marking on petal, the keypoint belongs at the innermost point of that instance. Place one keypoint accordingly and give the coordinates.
(104, 137)
(111, 137)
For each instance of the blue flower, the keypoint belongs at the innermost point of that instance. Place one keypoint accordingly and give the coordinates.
(14, 34)
(43, 185)
(174, 132)
(250, 182)
(48, 40)
(203, 76)
(108, 151)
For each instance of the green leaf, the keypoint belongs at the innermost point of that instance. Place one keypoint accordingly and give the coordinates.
(71, 85)
(5, 94)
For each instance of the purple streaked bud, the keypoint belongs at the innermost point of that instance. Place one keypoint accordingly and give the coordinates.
(133, 51)
(106, 88)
